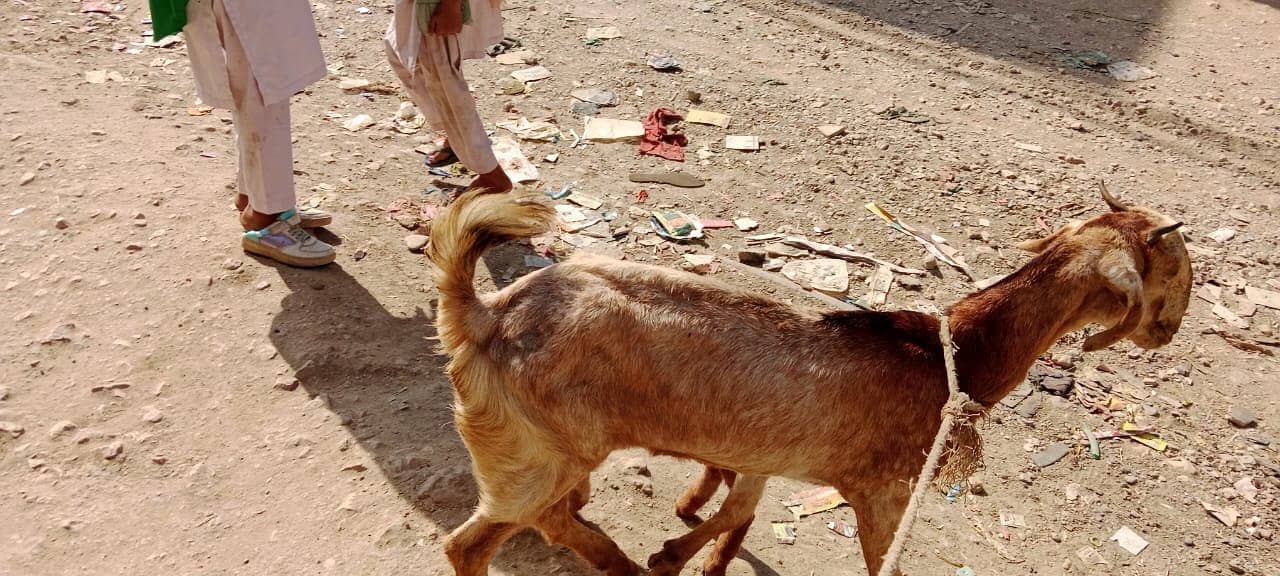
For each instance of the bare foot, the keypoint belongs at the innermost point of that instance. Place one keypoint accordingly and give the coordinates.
(495, 181)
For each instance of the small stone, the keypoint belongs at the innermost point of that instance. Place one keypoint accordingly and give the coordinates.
(4, 392)
(752, 257)
(12, 428)
(159, 459)
(61, 334)
(232, 264)
(1051, 455)
(133, 247)
(152, 415)
(286, 383)
(977, 484)
(1236, 566)
(1259, 438)
(263, 285)
(416, 243)
(1242, 417)
(930, 263)
(349, 503)
(1057, 385)
(27, 178)
(1222, 235)
(1029, 407)
(113, 450)
(61, 223)
(1130, 479)
(773, 264)
(580, 108)
(745, 224)
(909, 282)
(831, 130)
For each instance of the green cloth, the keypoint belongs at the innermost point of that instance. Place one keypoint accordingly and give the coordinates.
(168, 17)
(426, 8)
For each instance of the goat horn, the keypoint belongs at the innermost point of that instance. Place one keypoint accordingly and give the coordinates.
(1115, 205)
(1158, 233)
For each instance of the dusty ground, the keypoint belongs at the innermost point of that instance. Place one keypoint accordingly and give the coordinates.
(144, 432)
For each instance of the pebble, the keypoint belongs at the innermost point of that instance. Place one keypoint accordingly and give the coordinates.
(752, 257)
(232, 264)
(61, 223)
(910, 282)
(113, 450)
(159, 458)
(1050, 455)
(12, 428)
(152, 415)
(133, 247)
(4, 392)
(831, 130)
(286, 383)
(1222, 235)
(349, 503)
(1236, 566)
(27, 178)
(1241, 417)
(416, 243)
(61, 427)
(263, 285)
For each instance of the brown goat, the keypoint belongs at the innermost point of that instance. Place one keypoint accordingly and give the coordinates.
(566, 365)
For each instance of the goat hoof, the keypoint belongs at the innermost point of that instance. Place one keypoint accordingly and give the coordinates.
(665, 563)
(687, 513)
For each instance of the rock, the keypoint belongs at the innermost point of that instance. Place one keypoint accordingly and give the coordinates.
(1241, 417)
(61, 223)
(60, 334)
(159, 458)
(831, 130)
(752, 257)
(1259, 438)
(263, 285)
(913, 283)
(1222, 235)
(698, 263)
(133, 247)
(1029, 407)
(977, 484)
(13, 429)
(27, 178)
(1057, 385)
(1236, 566)
(349, 503)
(4, 392)
(745, 224)
(152, 415)
(597, 96)
(287, 383)
(584, 109)
(1181, 466)
(416, 243)
(232, 264)
(774, 264)
(1050, 455)
(113, 450)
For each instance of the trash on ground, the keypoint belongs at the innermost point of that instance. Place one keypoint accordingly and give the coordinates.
(676, 225)
(408, 119)
(569, 214)
(813, 501)
(1247, 489)
(844, 529)
(1263, 297)
(584, 200)
(199, 110)
(1246, 344)
(1231, 318)
(1222, 235)
(1126, 71)
(744, 143)
(1050, 455)
(664, 63)
(363, 85)
(1228, 516)
(824, 274)
(677, 178)
(657, 141)
(1088, 59)
(1029, 147)
(526, 129)
(1129, 540)
(901, 113)
(833, 251)
(784, 532)
(517, 58)
(881, 282)
(936, 245)
(708, 118)
(1095, 451)
(533, 74)
(1144, 437)
(513, 161)
(98, 7)
(358, 122)
(700, 263)
(745, 224)
(603, 33)
(513, 87)
(715, 224)
(597, 96)
(552, 158)
(102, 76)
(965, 571)
(609, 129)
(1090, 556)
(1011, 520)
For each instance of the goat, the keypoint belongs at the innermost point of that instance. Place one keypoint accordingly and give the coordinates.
(566, 365)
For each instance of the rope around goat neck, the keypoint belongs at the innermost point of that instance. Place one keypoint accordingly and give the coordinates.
(954, 408)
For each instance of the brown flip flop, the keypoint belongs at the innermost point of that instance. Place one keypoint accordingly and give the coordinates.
(679, 179)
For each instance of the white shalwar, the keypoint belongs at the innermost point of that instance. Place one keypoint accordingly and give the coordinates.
(251, 56)
(430, 67)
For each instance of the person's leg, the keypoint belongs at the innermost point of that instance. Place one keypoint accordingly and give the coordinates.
(440, 90)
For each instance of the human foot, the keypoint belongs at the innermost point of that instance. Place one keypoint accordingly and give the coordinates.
(494, 181)
(284, 240)
(311, 217)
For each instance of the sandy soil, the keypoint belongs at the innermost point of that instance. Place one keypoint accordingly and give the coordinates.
(145, 362)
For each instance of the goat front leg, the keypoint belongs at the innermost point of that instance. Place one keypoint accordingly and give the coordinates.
(727, 547)
(560, 524)
(738, 508)
(697, 495)
(879, 510)
(472, 545)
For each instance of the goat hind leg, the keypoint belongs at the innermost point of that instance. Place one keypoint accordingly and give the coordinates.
(738, 508)
(727, 547)
(559, 524)
(697, 495)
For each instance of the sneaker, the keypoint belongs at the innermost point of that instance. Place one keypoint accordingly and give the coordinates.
(286, 241)
(314, 218)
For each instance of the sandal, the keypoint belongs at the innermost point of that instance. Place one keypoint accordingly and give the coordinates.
(442, 155)
(285, 241)
(314, 218)
(506, 44)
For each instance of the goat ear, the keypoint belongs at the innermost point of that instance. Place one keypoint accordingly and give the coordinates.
(1115, 205)
(1118, 271)
(1156, 235)
(1038, 245)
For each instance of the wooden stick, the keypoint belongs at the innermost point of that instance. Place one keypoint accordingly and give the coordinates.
(834, 251)
(954, 406)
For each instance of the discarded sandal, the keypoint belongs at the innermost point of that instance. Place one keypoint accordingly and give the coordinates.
(678, 179)
(506, 44)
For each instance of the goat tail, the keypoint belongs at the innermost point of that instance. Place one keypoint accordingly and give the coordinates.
(475, 222)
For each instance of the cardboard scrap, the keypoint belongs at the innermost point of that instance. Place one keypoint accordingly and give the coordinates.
(824, 274)
(813, 501)
(843, 529)
(513, 161)
(1227, 516)
(1129, 540)
(609, 129)
(1011, 520)
(881, 281)
(604, 33)
(744, 143)
(784, 532)
(708, 118)
(1090, 556)
(533, 74)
